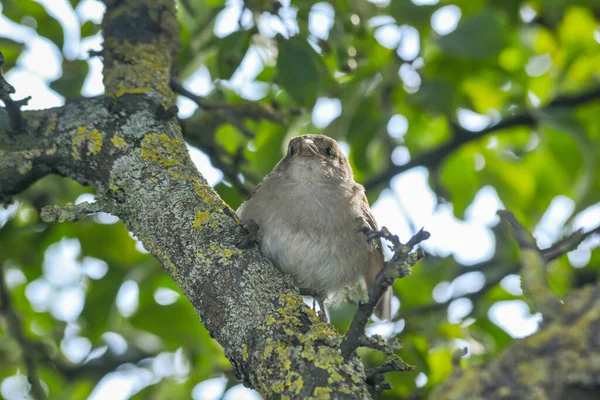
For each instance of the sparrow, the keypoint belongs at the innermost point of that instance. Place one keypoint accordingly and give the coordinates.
(309, 212)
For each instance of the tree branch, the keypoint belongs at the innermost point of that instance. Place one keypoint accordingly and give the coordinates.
(70, 212)
(398, 266)
(15, 329)
(551, 253)
(433, 158)
(562, 356)
(533, 269)
(216, 154)
(569, 243)
(230, 112)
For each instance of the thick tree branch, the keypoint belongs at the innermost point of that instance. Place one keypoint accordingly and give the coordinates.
(433, 158)
(560, 361)
(15, 329)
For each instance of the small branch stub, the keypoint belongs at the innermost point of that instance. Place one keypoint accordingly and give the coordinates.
(13, 107)
(70, 212)
(533, 272)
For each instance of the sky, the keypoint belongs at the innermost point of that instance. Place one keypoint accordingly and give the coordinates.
(406, 204)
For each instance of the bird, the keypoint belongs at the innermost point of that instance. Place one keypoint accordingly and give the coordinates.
(308, 212)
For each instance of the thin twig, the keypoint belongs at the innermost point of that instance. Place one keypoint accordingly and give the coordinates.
(217, 155)
(533, 271)
(394, 363)
(569, 243)
(70, 212)
(398, 266)
(14, 325)
(551, 253)
(230, 111)
(489, 284)
(13, 107)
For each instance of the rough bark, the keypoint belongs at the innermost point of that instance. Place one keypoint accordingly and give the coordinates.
(561, 361)
(140, 167)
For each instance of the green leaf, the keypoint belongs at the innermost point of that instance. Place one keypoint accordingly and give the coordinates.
(99, 308)
(436, 95)
(89, 28)
(47, 26)
(232, 50)
(11, 50)
(479, 36)
(460, 179)
(301, 70)
(564, 120)
(440, 364)
(407, 12)
(160, 321)
(230, 195)
(71, 81)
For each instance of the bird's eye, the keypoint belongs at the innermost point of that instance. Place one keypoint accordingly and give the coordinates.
(328, 151)
(292, 150)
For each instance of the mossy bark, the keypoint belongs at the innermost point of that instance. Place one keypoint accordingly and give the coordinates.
(561, 361)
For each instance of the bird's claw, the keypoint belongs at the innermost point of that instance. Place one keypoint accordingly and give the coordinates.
(251, 238)
(316, 299)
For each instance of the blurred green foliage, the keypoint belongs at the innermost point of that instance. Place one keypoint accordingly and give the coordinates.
(504, 58)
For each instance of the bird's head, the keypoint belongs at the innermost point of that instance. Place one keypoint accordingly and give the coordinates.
(315, 157)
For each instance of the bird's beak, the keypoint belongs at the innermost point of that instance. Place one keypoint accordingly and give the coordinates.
(307, 148)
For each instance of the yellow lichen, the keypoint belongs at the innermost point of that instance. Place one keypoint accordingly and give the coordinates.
(90, 142)
(245, 353)
(51, 151)
(286, 380)
(171, 153)
(164, 259)
(294, 382)
(224, 254)
(204, 259)
(51, 125)
(138, 68)
(208, 195)
(132, 90)
(25, 167)
(201, 217)
(300, 344)
(227, 253)
(321, 393)
(118, 142)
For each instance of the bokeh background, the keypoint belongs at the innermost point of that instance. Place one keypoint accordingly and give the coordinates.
(410, 89)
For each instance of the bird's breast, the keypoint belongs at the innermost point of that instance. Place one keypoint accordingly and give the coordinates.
(309, 231)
